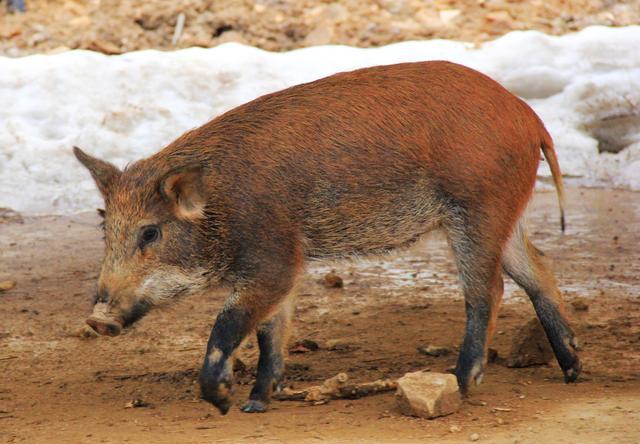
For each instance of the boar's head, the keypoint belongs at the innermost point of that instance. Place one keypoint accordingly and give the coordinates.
(156, 241)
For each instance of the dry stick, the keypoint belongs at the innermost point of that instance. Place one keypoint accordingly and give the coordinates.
(6, 358)
(177, 33)
(336, 388)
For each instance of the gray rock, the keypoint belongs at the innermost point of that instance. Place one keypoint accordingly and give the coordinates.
(530, 346)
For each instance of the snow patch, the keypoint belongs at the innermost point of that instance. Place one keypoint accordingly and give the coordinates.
(585, 86)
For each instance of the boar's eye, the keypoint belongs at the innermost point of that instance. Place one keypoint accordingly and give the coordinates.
(147, 235)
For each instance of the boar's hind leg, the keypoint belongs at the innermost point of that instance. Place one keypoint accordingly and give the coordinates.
(526, 265)
(272, 339)
(478, 262)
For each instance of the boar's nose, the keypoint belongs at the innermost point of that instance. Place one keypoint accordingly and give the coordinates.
(105, 327)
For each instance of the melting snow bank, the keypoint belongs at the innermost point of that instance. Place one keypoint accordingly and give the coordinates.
(585, 86)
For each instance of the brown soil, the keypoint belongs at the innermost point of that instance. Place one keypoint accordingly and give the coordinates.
(56, 387)
(113, 26)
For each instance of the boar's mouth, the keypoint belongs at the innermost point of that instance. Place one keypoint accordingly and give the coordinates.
(136, 313)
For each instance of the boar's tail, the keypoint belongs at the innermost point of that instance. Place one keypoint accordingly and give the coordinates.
(550, 154)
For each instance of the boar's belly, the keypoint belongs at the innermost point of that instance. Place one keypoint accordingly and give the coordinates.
(370, 223)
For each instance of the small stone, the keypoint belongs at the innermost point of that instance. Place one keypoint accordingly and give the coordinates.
(136, 403)
(83, 21)
(304, 346)
(447, 15)
(580, 305)
(335, 12)
(455, 429)
(149, 20)
(530, 346)
(297, 349)
(104, 46)
(7, 285)
(232, 36)
(476, 402)
(434, 350)
(10, 216)
(428, 395)
(321, 35)
(499, 17)
(332, 280)
(474, 437)
(336, 345)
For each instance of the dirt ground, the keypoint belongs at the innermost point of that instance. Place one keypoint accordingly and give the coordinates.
(113, 26)
(57, 387)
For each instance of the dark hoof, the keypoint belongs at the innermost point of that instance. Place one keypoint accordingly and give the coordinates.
(224, 406)
(570, 362)
(467, 376)
(254, 406)
(218, 396)
(572, 373)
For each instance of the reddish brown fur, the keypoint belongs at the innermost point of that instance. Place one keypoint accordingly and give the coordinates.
(357, 163)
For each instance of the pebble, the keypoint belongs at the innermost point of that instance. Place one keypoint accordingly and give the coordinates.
(476, 402)
(447, 15)
(434, 350)
(7, 285)
(9, 215)
(136, 403)
(304, 346)
(332, 280)
(321, 35)
(337, 344)
(499, 16)
(580, 305)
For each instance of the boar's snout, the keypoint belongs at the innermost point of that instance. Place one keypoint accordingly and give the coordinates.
(105, 327)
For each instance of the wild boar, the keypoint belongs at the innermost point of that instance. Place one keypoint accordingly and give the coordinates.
(357, 163)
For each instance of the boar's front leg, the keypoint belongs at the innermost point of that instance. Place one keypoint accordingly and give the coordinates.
(272, 339)
(249, 305)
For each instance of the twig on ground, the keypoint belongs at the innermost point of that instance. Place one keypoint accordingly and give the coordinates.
(336, 387)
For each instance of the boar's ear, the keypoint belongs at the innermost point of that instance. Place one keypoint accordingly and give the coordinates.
(103, 173)
(183, 189)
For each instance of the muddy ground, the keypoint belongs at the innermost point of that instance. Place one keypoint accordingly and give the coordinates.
(57, 387)
(113, 26)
